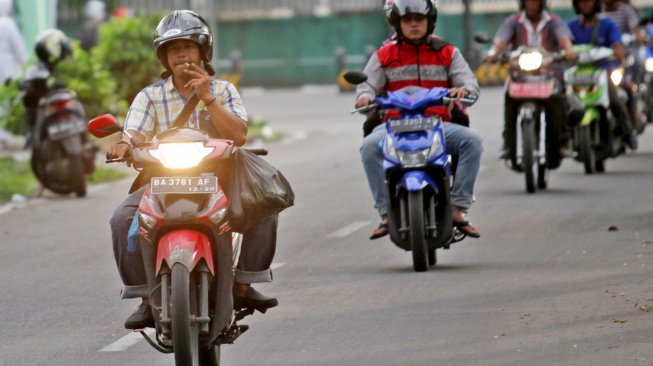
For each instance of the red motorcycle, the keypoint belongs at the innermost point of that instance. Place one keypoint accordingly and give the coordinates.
(187, 243)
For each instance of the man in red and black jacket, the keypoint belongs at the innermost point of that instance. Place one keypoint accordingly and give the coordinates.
(418, 58)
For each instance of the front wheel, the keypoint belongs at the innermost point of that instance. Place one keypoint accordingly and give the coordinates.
(417, 237)
(528, 154)
(210, 357)
(184, 335)
(587, 149)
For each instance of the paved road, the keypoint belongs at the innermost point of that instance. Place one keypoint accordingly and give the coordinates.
(547, 284)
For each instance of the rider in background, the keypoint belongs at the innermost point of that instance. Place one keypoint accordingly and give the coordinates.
(418, 58)
(601, 31)
(534, 26)
(183, 42)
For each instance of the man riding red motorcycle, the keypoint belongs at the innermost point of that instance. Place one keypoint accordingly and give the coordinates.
(183, 42)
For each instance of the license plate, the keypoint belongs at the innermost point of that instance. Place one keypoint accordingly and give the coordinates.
(411, 124)
(531, 90)
(184, 185)
(65, 128)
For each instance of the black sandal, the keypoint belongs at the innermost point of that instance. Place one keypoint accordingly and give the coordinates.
(380, 231)
(464, 226)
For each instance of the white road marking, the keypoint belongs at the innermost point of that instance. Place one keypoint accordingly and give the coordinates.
(127, 341)
(277, 265)
(349, 229)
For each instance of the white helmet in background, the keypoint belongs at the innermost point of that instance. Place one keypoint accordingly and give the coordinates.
(95, 10)
(5, 8)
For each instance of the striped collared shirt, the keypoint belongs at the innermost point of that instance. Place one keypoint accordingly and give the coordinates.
(155, 108)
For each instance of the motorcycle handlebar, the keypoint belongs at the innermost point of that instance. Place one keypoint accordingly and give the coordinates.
(258, 151)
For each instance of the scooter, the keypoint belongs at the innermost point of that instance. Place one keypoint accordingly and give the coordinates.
(417, 169)
(62, 156)
(596, 138)
(188, 247)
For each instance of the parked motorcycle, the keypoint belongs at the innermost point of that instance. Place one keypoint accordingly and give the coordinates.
(598, 136)
(187, 244)
(417, 169)
(644, 56)
(62, 156)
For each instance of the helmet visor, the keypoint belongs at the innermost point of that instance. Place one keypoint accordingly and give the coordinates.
(412, 6)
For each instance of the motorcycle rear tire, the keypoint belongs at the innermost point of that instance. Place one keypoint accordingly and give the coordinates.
(417, 232)
(184, 335)
(77, 175)
(210, 357)
(528, 159)
(587, 149)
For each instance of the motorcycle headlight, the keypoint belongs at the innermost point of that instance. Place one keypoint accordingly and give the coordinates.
(649, 64)
(181, 155)
(390, 147)
(420, 157)
(617, 75)
(530, 61)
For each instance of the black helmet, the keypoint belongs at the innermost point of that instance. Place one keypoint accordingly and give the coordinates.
(184, 24)
(51, 47)
(597, 6)
(542, 5)
(403, 7)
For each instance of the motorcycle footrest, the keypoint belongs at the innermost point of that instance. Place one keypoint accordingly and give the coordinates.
(229, 336)
(242, 313)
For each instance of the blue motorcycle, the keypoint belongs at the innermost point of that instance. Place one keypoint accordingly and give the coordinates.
(418, 173)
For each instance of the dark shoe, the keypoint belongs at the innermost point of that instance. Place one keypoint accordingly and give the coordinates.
(141, 318)
(504, 154)
(466, 228)
(254, 300)
(380, 231)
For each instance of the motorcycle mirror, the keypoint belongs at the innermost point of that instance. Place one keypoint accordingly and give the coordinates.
(482, 38)
(355, 77)
(103, 126)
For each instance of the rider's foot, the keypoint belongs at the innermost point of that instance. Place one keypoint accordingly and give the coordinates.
(141, 318)
(380, 231)
(459, 217)
(504, 153)
(245, 296)
(566, 148)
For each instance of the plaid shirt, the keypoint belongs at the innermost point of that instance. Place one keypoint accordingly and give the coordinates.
(155, 108)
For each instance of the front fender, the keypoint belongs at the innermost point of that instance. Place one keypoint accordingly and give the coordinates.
(416, 180)
(590, 115)
(184, 246)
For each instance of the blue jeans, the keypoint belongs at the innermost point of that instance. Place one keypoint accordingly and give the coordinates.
(463, 141)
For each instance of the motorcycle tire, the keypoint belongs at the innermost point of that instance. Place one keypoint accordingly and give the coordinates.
(417, 233)
(587, 149)
(184, 335)
(210, 357)
(542, 176)
(528, 157)
(77, 175)
(38, 167)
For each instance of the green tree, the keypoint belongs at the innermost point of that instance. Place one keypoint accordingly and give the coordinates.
(126, 51)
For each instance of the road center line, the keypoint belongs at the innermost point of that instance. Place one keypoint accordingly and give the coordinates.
(127, 341)
(349, 229)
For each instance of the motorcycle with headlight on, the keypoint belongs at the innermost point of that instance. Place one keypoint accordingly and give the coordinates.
(417, 169)
(188, 247)
(598, 136)
(532, 82)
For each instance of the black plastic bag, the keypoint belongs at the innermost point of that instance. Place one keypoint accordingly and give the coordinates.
(256, 190)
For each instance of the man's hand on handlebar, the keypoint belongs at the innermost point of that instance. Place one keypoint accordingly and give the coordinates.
(458, 92)
(363, 102)
(118, 150)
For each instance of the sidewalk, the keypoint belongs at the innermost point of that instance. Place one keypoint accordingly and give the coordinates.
(14, 148)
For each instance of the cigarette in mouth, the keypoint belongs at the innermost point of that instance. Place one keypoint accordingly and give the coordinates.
(187, 64)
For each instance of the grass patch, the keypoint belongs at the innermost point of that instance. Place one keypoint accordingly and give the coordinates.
(17, 177)
(261, 130)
